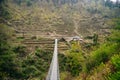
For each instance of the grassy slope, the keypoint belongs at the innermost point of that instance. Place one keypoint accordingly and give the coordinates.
(62, 21)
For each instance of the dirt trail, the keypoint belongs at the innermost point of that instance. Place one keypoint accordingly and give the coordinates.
(76, 28)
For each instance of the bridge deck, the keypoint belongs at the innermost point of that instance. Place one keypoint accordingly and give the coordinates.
(53, 73)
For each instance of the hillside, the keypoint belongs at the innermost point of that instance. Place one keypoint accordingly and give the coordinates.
(43, 18)
(28, 29)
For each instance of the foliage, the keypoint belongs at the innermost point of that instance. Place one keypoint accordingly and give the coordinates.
(106, 50)
(116, 64)
(8, 66)
(115, 37)
(4, 13)
(74, 64)
(62, 2)
(115, 60)
(20, 2)
(29, 2)
(38, 64)
(20, 51)
(102, 54)
(74, 59)
(111, 4)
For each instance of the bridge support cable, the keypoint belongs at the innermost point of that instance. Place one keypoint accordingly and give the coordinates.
(53, 73)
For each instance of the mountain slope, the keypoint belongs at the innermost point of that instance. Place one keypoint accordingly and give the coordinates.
(45, 18)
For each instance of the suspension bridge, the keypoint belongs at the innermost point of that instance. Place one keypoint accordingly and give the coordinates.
(53, 73)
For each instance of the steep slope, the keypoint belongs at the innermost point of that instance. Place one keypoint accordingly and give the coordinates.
(43, 18)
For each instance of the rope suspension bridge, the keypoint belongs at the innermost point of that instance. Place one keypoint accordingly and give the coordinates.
(53, 73)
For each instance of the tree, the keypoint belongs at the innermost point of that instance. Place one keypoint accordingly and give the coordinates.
(109, 3)
(29, 3)
(4, 13)
(117, 4)
(8, 66)
(18, 2)
(115, 37)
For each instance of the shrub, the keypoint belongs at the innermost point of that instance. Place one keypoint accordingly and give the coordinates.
(20, 50)
(103, 54)
(116, 64)
(73, 64)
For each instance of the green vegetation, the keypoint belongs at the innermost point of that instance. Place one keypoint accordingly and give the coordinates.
(116, 71)
(101, 60)
(115, 60)
(107, 52)
(4, 13)
(8, 65)
(75, 59)
(17, 63)
(103, 54)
